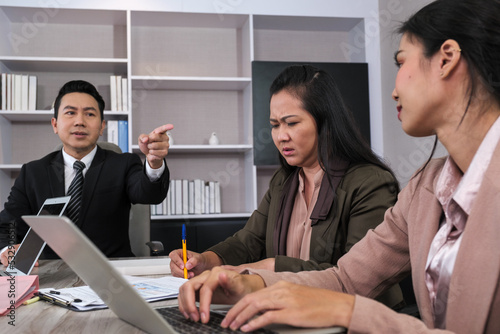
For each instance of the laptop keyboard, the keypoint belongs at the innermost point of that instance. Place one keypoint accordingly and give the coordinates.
(182, 325)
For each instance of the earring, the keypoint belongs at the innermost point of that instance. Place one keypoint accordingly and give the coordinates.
(459, 50)
(441, 74)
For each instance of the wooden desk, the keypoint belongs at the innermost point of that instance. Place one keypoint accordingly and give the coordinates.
(42, 317)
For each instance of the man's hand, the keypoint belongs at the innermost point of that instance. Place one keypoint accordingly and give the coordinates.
(155, 145)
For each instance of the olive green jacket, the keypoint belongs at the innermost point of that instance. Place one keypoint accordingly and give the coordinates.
(363, 195)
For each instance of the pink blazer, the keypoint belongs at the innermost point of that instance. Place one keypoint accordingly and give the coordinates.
(401, 244)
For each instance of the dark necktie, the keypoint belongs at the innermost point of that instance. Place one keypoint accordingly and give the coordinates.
(75, 191)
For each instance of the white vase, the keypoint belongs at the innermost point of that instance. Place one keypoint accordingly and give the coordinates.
(214, 140)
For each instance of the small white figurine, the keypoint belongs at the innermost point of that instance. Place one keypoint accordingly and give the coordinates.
(170, 138)
(214, 140)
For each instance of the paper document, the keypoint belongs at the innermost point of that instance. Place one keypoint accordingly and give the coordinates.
(149, 266)
(83, 298)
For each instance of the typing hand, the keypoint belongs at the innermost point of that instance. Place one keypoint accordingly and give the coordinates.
(218, 286)
(155, 145)
(292, 304)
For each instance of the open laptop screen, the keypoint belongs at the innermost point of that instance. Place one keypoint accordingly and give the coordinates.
(32, 245)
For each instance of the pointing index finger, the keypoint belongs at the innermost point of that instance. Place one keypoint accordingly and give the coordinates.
(164, 128)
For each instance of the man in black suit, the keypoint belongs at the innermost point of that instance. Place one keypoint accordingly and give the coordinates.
(111, 181)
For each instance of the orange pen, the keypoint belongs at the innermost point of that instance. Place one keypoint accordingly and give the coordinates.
(184, 250)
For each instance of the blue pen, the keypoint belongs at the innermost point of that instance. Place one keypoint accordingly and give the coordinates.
(184, 250)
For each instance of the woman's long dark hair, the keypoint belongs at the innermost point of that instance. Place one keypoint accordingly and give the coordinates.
(475, 26)
(338, 133)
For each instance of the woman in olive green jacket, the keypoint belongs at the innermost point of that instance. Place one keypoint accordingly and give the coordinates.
(330, 190)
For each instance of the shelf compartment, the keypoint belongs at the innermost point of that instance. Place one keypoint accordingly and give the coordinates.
(290, 38)
(195, 114)
(232, 170)
(50, 82)
(63, 32)
(189, 44)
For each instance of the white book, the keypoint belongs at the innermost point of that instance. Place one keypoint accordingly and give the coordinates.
(172, 197)
(13, 92)
(166, 204)
(178, 197)
(159, 209)
(24, 92)
(4, 91)
(113, 131)
(119, 93)
(198, 199)
(124, 94)
(17, 91)
(207, 199)
(32, 91)
(191, 197)
(211, 196)
(164, 207)
(9, 91)
(112, 91)
(217, 197)
(185, 197)
(203, 197)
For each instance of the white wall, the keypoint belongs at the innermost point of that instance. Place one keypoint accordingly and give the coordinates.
(404, 154)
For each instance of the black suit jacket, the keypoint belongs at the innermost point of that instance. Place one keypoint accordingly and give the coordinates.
(112, 183)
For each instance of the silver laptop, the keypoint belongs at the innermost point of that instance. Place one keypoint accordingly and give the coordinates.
(32, 245)
(87, 261)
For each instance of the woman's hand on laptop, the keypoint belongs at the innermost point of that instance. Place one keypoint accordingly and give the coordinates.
(291, 304)
(217, 286)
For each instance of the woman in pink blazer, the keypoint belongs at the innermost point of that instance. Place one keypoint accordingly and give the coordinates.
(444, 228)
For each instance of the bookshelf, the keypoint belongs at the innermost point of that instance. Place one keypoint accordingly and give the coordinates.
(186, 65)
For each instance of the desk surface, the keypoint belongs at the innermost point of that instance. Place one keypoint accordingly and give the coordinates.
(42, 317)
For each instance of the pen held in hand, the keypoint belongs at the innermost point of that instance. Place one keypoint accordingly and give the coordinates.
(184, 250)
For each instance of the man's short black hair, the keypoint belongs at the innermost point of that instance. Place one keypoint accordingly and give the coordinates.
(79, 86)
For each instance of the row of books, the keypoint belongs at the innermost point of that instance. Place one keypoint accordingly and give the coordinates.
(18, 92)
(118, 133)
(119, 93)
(186, 197)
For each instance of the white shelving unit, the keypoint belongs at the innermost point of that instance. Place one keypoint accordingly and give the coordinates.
(188, 65)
